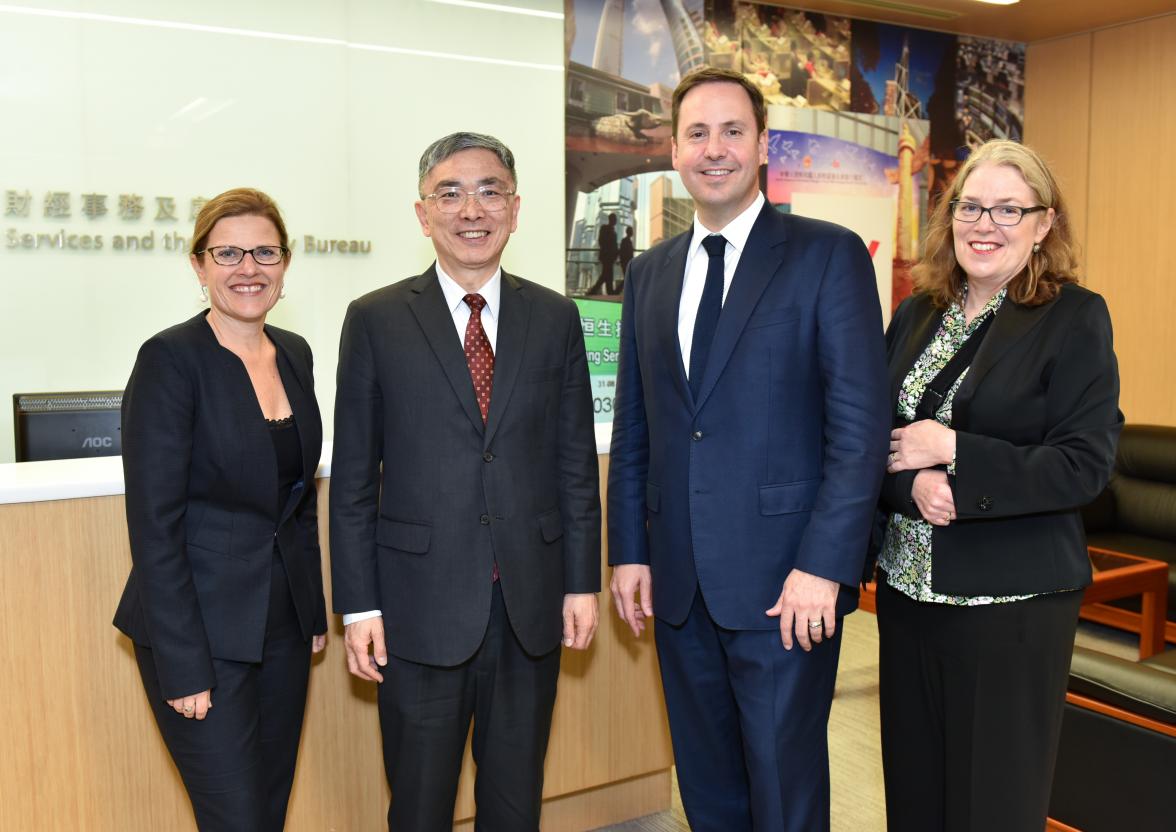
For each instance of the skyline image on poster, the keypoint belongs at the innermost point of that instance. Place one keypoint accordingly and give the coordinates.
(896, 67)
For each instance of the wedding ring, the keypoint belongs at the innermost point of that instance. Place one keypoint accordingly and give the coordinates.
(816, 625)
(188, 709)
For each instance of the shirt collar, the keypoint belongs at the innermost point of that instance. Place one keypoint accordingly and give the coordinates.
(491, 291)
(736, 231)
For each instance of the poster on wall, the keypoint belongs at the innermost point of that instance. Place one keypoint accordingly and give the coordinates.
(868, 124)
(858, 172)
(796, 58)
(624, 58)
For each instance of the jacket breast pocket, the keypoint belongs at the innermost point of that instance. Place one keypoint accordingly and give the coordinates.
(788, 497)
(774, 317)
(403, 536)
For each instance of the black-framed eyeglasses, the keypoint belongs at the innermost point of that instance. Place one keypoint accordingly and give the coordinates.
(1000, 214)
(452, 200)
(262, 255)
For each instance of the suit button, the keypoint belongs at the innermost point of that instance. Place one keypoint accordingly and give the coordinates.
(484, 519)
(696, 436)
(984, 503)
(487, 457)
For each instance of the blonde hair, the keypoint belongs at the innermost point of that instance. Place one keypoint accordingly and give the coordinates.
(1052, 265)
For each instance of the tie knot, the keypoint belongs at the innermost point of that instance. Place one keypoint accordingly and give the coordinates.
(715, 245)
(475, 302)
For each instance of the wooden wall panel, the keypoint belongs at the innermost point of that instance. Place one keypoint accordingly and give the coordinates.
(1057, 117)
(82, 751)
(1132, 185)
(1101, 107)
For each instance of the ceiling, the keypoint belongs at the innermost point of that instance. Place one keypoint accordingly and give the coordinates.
(1028, 20)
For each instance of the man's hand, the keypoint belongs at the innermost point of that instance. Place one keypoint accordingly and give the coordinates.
(580, 617)
(318, 643)
(933, 497)
(629, 580)
(356, 638)
(806, 600)
(195, 706)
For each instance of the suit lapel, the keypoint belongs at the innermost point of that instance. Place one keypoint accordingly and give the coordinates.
(249, 442)
(514, 317)
(436, 321)
(918, 332)
(298, 387)
(757, 265)
(666, 328)
(1012, 323)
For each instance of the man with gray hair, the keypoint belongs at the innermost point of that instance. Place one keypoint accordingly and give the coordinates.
(465, 506)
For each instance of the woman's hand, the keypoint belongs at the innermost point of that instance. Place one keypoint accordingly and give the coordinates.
(933, 497)
(922, 444)
(195, 706)
(317, 643)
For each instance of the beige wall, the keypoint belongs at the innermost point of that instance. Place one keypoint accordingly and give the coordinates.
(1101, 107)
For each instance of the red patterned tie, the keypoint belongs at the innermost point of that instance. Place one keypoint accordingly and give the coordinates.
(480, 358)
(478, 354)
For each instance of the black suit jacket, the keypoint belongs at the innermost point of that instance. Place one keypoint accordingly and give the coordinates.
(424, 497)
(1037, 421)
(201, 497)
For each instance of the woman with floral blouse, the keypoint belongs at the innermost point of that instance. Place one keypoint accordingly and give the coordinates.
(1006, 420)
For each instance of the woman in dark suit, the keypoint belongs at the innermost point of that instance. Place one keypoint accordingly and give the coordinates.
(221, 439)
(1006, 420)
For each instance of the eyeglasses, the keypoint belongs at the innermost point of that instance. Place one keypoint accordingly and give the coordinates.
(262, 255)
(1000, 214)
(452, 200)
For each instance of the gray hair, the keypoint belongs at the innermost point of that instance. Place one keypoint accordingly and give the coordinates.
(454, 143)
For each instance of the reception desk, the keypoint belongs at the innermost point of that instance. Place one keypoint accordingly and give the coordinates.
(81, 750)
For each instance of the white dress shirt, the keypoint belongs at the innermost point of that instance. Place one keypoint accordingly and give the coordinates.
(491, 292)
(737, 231)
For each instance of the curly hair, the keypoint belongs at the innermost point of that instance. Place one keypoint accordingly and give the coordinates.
(1054, 264)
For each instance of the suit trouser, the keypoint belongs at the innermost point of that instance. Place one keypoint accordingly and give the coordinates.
(238, 763)
(972, 701)
(749, 722)
(425, 714)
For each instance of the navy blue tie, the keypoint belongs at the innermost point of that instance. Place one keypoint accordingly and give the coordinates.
(707, 320)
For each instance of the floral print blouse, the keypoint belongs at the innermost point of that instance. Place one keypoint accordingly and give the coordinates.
(906, 552)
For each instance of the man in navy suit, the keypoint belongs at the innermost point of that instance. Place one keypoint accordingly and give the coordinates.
(748, 449)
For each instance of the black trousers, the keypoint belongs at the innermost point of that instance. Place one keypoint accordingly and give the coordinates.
(238, 763)
(749, 723)
(972, 701)
(425, 714)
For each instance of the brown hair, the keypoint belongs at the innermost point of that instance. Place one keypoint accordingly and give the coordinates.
(1054, 264)
(237, 203)
(714, 75)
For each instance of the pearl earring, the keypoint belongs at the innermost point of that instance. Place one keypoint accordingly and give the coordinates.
(1036, 247)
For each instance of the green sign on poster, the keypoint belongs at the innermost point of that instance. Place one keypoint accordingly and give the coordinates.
(601, 323)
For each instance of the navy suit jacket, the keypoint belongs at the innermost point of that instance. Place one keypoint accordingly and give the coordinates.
(778, 464)
(201, 497)
(425, 497)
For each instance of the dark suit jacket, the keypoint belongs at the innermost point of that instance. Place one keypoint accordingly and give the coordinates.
(1037, 421)
(201, 496)
(424, 497)
(778, 463)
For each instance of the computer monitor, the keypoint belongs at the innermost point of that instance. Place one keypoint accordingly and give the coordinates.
(67, 425)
